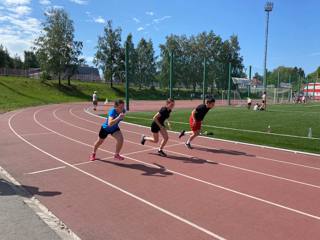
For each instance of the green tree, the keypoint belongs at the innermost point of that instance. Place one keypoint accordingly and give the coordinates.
(30, 60)
(109, 52)
(17, 62)
(146, 66)
(55, 48)
(132, 59)
(5, 60)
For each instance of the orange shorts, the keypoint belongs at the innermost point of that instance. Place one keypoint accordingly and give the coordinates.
(194, 126)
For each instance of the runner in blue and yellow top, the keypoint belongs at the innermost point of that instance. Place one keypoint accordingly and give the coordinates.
(111, 126)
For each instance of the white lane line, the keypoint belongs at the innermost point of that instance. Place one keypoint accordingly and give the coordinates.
(290, 163)
(45, 170)
(223, 140)
(206, 231)
(87, 162)
(236, 129)
(252, 171)
(36, 134)
(190, 177)
(239, 168)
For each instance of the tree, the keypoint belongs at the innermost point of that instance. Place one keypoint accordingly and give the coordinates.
(146, 66)
(73, 61)
(5, 60)
(17, 62)
(132, 68)
(55, 48)
(315, 74)
(30, 60)
(108, 55)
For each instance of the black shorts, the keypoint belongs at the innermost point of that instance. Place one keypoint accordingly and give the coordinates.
(154, 127)
(104, 133)
(263, 101)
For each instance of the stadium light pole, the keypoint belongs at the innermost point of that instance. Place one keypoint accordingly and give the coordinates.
(127, 75)
(267, 8)
(171, 74)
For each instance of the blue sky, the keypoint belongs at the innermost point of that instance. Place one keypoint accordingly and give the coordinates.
(294, 25)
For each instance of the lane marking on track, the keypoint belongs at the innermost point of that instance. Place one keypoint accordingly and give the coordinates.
(189, 177)
(36, 134)
(224, 140)
(202, 229)
(222, 164)
(87, 162)
(237, 129)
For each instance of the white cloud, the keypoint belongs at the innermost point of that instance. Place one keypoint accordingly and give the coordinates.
(80, 2)
(136, 20)
(16, 2)
(99, 20)
(17, 29)
(21, 10)
(45, 2)
(150, 13)
(140, 29)
(58, 7)
(158, 20)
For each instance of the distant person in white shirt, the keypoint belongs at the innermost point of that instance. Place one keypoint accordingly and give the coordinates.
(95, 100)
(249, 103)
(264, 100)
(256, 107)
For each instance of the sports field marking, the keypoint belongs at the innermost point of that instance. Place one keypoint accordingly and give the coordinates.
(206, 231)
(36, 134)
(231, 141)
(106, 158)
(251, 171)
(234, 142)
(236, 129)
(189, 177)
(222, 164)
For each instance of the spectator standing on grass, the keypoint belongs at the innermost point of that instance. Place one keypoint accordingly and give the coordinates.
(264, 100)
(95, 100)
(249, 101)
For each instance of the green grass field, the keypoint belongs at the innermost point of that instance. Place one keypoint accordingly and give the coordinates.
(240, 124)
(19, 92)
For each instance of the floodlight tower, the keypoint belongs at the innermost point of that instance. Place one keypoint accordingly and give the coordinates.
(267, 8)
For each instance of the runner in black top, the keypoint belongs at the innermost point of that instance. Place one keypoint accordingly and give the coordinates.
(158, 126)
(196, 119)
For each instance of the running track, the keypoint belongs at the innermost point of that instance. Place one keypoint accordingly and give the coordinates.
(218, 190)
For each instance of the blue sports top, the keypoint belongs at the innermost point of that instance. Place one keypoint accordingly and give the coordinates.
(112, 113)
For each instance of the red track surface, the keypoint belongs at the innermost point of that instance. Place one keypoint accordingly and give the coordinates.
(218, 190)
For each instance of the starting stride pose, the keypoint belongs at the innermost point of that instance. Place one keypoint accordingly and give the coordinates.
(196, 118)
(111, 126)
(158, 126)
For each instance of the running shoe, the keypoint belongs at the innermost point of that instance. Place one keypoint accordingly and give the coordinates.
(118, 157)
(182, 133)
(92, 157)
(188, 145)
(143, 139)
(162, 153)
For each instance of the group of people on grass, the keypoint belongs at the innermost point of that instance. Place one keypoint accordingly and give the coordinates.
(117, 113)
(258, 106)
